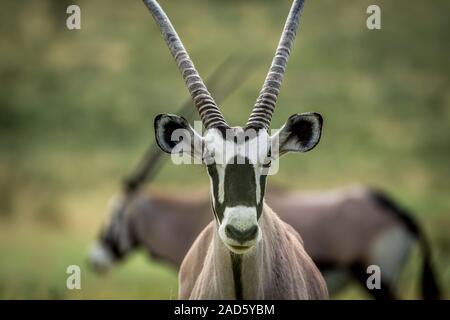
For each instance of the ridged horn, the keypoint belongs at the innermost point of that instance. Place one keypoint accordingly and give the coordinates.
(266, 102)
(206, 106)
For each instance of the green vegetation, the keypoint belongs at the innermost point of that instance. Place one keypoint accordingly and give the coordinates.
(77, 107)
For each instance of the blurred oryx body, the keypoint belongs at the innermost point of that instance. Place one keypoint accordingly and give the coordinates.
(344, 231)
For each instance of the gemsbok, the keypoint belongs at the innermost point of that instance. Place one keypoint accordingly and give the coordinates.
(247, 252)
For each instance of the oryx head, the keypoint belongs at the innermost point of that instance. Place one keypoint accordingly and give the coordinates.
(115, 240)
(237, 158)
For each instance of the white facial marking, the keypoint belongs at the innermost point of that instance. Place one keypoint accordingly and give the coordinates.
(221, 185)
(242, 218)
(258, 185)
(221, 176)
(100, 257)
(224, 151)
(211, 186)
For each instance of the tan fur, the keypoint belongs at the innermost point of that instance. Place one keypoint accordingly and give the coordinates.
(193, 262)
(276, 268)
(155, 218)
(339, 225)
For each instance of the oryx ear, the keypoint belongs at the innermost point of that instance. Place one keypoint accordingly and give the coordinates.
(301, 133)
(174, 135)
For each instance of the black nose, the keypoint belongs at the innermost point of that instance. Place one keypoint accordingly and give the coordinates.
(241, 235)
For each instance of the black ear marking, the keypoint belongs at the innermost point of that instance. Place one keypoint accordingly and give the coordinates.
(304, 128)
(301, 133)
(165, 125)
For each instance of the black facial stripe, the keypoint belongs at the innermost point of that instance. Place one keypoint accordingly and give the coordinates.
(109, 242)
(240, 183)
(262, 183)
(236, 262)
(239, 187)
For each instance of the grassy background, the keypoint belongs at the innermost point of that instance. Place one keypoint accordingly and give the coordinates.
(77, 107)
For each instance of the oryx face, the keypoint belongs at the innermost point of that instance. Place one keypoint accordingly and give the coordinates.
(237, 159)
(237, 162)
(115, 240)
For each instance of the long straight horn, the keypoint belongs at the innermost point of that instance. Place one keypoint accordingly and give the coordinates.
(266, 102)
(206, 106)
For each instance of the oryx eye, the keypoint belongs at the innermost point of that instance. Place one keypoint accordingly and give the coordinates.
(208, 161)
(208, 158)
(265, 166)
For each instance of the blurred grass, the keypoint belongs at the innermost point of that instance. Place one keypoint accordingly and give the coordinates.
(77, 107)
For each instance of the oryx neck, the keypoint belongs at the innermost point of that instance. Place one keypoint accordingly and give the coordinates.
(240, 276)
